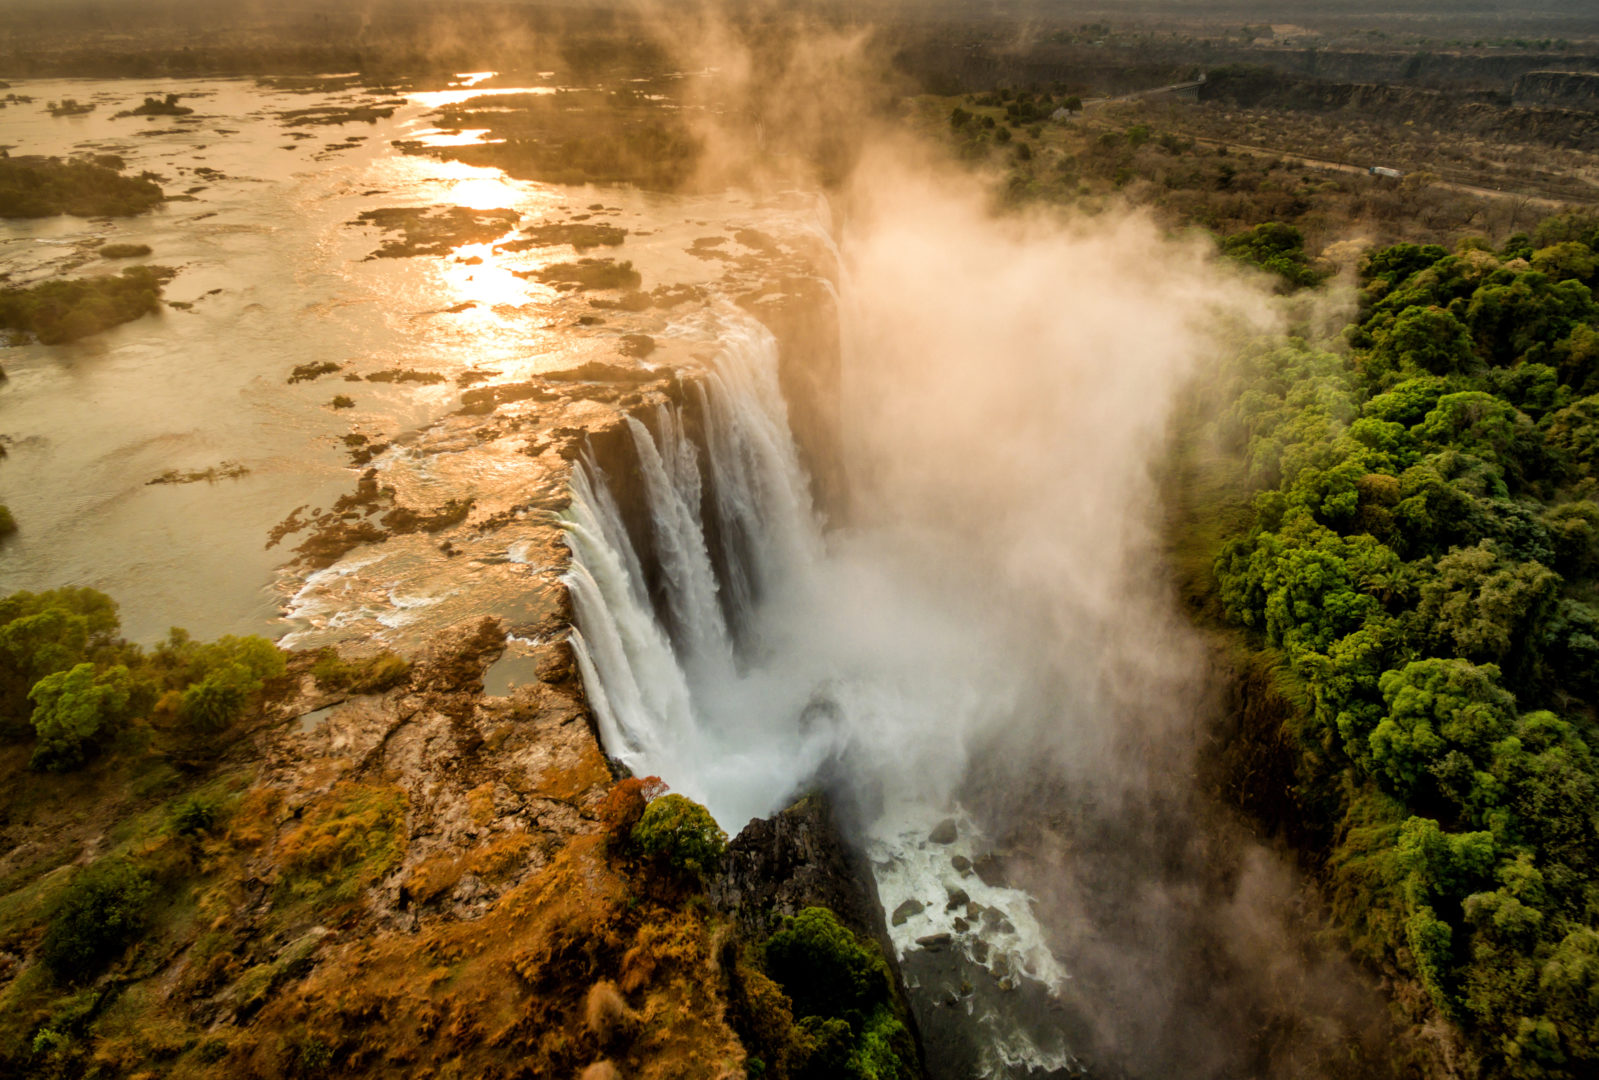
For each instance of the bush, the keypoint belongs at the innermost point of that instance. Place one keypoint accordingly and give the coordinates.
(101, 913)
(8, 524)
(223, 676)
(194, 815)
(680, 833)
(624, 804)
(606, 1013)
(823, 968)
(124, 251)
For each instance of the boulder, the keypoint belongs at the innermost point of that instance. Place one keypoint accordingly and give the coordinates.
(905, 911)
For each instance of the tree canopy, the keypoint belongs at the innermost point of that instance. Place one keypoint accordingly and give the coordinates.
(1419, 549)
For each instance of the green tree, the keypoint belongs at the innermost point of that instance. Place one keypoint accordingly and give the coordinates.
(1276, 248)
(680, 833)
(75, 709)
(221, 676)
(1436, 706)
(1526, 317)
(824, 969)
(1487, 609)
(1395, 264)
(1428, 338)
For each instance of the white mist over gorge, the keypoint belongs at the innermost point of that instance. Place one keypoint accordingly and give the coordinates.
(992, 591)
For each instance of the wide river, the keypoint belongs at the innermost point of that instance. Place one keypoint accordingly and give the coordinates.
(278, 274)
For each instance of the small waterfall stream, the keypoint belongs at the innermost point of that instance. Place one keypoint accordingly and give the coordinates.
(741, 656)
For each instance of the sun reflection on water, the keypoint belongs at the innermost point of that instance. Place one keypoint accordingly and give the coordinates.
(485, 190)
(438, 99)
(488, 284)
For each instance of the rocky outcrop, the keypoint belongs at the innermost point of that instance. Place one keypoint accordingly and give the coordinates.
(1558, 90)
(793, 860)
(800, 858)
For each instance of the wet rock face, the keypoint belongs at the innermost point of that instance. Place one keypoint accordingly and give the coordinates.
(796, 859)
(791, 861)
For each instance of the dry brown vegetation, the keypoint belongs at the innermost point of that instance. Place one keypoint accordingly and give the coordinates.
(1207, 166)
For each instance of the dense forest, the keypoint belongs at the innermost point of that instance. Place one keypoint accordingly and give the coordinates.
(1403, 520)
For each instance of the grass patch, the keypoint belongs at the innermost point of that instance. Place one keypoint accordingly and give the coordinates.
(350, 839)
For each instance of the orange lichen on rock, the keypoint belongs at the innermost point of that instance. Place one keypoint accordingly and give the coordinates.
(573, 780)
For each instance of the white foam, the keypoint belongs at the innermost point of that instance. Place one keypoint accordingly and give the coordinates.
(909, 866)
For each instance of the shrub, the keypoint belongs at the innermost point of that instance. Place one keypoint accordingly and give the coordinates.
(823, 968)
(8, 524)
(624, 804)
(342, 401)
(194, 815)
(221, 676)
(212, 704)
(101, 913)
(681, 833)
(124, 251)
(606, 1013)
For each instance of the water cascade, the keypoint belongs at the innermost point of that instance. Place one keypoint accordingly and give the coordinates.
(741, 656)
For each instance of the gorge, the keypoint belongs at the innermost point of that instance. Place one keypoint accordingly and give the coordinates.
(733, 542)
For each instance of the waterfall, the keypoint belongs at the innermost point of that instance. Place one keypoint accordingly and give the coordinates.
(669, 694)
(738, 656)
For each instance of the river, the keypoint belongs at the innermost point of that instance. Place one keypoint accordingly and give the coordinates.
(278, 277)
